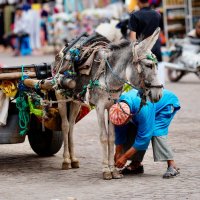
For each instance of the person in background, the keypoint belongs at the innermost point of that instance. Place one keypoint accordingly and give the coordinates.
(150, 123)
(44, 19)
(19, 32)
(123, 26)
(142, 24)
(194, 35)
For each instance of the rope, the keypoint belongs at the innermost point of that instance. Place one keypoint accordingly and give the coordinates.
(130, 115)
(117, 76)
(91, 85)
(33, 110)
(24, 117)
(60, 101)
(22, 106)
(22, 73)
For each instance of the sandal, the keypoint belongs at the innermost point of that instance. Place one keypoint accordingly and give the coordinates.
(128, 170)
(171, 172)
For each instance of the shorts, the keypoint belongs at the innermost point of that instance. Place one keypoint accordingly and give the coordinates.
(161, 148)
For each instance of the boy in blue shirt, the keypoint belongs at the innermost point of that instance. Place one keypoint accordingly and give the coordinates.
(152, 122)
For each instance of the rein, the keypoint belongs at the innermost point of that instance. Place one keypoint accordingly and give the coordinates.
(117, 76)
(143, 98)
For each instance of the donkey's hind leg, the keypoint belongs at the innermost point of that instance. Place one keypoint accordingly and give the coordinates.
(65, 130)
(100, 109)
(74, 110)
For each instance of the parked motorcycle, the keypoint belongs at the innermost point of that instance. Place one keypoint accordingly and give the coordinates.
(184, 59)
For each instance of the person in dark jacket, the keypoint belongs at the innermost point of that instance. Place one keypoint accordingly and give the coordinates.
(142, 24)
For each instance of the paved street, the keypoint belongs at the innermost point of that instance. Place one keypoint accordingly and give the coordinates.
(25, 176)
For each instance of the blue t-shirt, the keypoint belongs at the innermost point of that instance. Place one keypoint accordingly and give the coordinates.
(166, 108)
(144, 121)
(152, 120)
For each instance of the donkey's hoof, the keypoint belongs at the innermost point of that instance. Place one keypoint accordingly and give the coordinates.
(107, 175)
(65, 166)
(116, 175)
(75, 164)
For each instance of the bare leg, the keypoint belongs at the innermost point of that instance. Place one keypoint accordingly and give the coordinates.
(111, 139)
(104, 140)
(171, 163)
(74, 110)
(65, 129)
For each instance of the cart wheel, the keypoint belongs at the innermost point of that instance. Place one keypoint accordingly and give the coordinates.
(45, 143)
(175, 75)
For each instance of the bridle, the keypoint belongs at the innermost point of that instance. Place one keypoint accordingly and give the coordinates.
(144, 85)
(136, 61)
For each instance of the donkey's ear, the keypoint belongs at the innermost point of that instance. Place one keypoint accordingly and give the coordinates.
(151, 40)
(148, 43)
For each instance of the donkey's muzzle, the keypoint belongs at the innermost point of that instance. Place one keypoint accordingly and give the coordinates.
(155, 94)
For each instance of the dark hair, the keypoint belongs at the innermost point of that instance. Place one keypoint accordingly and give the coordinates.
(18, 8)
(143, 1)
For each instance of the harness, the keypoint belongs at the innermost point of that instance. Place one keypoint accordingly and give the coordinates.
(104, 66)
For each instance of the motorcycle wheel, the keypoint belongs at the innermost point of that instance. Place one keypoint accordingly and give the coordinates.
(198, 72)
(175, 75)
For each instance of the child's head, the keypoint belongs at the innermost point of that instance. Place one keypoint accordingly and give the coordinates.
(197, 27)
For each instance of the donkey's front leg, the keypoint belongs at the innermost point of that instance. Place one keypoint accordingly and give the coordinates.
(74, 110)
(104, 140)
(111, 140)
(65, 130)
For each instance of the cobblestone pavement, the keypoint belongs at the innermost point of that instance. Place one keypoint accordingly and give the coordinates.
(24, 175)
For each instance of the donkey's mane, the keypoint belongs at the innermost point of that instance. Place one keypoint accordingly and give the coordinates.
(119, 45)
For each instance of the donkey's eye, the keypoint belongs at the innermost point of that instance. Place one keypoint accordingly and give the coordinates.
(149, 65)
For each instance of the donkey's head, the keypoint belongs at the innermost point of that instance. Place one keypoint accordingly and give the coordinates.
(145, 64)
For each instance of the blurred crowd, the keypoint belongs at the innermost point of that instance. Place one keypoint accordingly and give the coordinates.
(37, 28)
(40, 28)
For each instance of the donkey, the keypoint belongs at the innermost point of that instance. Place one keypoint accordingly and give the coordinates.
(121, 63)
(126, 61)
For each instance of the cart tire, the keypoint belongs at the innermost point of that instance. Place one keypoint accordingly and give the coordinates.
(175, 75)
(45, 143)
